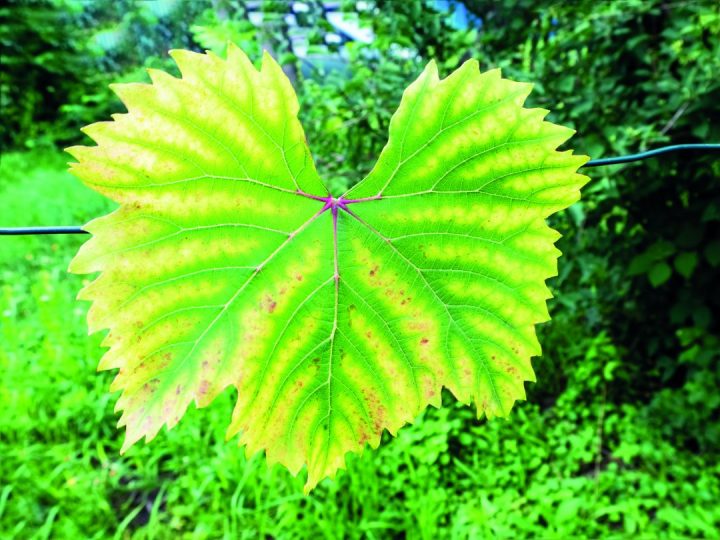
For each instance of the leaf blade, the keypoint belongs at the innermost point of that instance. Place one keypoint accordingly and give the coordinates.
(227, 264)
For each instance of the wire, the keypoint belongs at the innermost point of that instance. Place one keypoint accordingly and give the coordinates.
(7, 231)
(10, 231)
(650, 153)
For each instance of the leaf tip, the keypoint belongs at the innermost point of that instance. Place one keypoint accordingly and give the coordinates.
(235, 55)
(128, 441)
(308, 487)
(267, 57)
(431, 70)
(471, 63)
(232, 46)
(117, 88)
(493, 73)
(74, 151)
(158, 76)
(582, 158)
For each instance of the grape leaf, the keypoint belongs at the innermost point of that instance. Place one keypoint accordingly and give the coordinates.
(335, 318)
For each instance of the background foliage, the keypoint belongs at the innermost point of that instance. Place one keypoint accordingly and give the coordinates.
(620, 437)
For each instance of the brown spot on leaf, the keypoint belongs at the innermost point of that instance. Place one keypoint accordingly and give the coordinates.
(424, 341)
(379, 419)
(299, 277)
(376, 408)
(178, 388)
(151, 386)
(268, 304)
(428, 384)
(509, 368)
(204, 387)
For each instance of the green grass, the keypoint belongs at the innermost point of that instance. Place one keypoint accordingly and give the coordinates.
(579, 468)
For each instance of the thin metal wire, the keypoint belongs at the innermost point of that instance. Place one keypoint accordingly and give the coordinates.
(6, 231)
(650, 153)
(13, 231)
